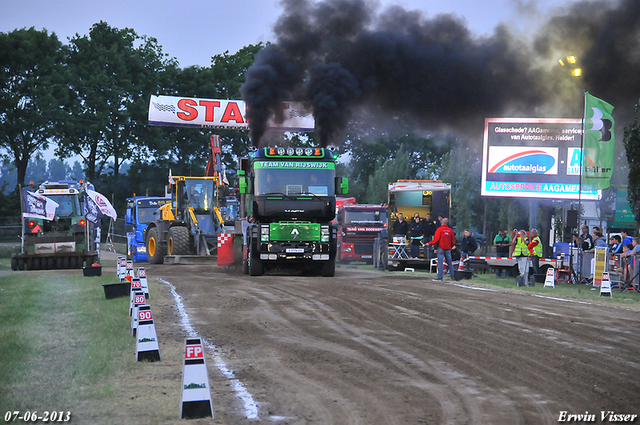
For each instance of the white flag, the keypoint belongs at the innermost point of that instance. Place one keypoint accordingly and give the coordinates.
(103, 203)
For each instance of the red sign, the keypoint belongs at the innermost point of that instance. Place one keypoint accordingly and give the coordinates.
(135, 284)
(144, 315)
(138, 299)
(193, 352)
(142, 272)
(364, 229)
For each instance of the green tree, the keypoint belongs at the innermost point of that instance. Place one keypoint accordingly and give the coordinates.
(33, 91)
(112, 72)
(632, 147)
(385, 172)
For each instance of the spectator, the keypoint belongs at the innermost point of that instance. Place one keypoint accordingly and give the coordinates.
(575, 243)
(429, 227)
(521, 252)
(633, 250)
(587, 240)
(417, 235)
(502, 241)
(615, 244)
(626, 237)
(535, 251)
(444, 240)
(598, 240)
(400, 227)
(468, 245)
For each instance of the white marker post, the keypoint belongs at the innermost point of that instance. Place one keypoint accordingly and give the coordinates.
(142, 275)
(147, 347)
(118, 266)
(136, 286)
(550, 279)
(129, 268)
(196, 393)
(605, 286)
(122, 270)
(138, 300)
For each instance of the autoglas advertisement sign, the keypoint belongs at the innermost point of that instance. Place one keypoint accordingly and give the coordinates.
(533, 158)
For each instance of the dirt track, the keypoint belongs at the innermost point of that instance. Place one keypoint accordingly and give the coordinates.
(395, 348)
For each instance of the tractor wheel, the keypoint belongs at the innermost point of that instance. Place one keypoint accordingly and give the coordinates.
(155, 250)
(178, 241)
(14, 264)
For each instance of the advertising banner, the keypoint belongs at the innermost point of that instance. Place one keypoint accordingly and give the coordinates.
(222, 114)
(533, 158)
(37, 206)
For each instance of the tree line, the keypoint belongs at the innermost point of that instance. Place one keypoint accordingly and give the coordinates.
(89, 99)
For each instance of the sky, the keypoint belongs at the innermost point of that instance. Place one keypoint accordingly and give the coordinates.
(194, 31)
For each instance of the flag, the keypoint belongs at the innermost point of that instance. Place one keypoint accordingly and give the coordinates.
(91, 210)
(598, 152)
(102, 202)
(224, 175)
(171, 181)
(37, 206)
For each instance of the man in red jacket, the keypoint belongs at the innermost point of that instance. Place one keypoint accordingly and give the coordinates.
(445, 240)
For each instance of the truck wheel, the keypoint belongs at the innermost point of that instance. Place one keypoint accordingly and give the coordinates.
(21, 264)
(178, 241)
(14, 264)
(51, 263)
(256, 268)
(155, 251)
(329, 268)
(65, 262)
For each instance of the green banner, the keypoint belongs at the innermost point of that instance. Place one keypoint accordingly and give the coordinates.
(295, 165)
(597, 156)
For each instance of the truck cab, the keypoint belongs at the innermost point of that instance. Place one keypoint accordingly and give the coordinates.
(141, 210)
(290, 196)
(358, 227)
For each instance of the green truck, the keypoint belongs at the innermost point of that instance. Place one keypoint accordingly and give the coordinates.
(288, 200)
(64, 242)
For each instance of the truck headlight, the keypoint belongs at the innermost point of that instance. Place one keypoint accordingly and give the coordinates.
(264, 233)
(324, 233)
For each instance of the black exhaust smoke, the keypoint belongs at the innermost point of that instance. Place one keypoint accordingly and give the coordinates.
(339, 54)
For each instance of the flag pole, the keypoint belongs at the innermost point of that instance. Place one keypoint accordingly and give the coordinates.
(584, 117)
(21, 218)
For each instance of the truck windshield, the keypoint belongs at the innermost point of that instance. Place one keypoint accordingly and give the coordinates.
(365, 217)
(145, 215)
(68, 205)
(294, 181)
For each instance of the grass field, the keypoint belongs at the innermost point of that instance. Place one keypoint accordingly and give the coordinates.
(65, 347)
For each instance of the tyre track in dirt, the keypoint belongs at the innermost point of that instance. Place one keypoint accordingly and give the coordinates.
(392, 348)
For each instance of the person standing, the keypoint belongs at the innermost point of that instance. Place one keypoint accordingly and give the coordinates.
(521, 252)
(535, 251)
(400, 227)
(587, 239)
(444, 240)
(502, 242)
(468, 245)
(429, 226)
(417, 234)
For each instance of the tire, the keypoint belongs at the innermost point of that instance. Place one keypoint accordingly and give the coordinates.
(178, 241)
(51, 263)
(155, 250)
(73, 262)
(21, 264)
(66, 262)
(329, 268)
(14, 264)
(256, 268)
(36, 263)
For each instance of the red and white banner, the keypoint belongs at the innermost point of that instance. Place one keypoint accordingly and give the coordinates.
(103, 203)
(222, 114)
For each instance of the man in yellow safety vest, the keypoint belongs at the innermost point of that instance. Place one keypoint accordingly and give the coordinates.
(521, 252)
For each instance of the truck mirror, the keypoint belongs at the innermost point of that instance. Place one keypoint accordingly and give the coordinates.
(242, 184)
(127, 216)
(342, 186)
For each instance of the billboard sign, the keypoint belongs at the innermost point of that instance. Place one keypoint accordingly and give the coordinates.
(533, 158)
(221, 114)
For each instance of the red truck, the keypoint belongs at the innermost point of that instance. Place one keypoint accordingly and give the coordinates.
(358, 226)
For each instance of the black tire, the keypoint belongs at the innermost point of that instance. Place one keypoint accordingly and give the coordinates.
(14, 264)
(256, 268)
(178, 241)
(155, 250)
(329, 268)
(36, 263)
(66, 262)
(51, 263)
(73, 262)
(30, 263)
(21, 264)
